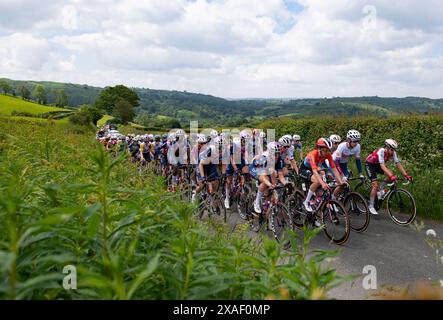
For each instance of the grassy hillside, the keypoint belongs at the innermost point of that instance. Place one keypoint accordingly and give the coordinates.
(420, 141)
(213, 111)
(64, 201)
(9, 104)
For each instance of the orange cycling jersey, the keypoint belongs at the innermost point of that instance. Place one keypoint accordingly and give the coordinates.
(314, 160)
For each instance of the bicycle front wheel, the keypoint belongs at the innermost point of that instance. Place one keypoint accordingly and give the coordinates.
(295, 205)
(401, 207)
(358, 211)
(336, 222)
(281, 223)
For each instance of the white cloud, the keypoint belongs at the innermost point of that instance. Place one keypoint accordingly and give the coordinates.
(232, 48)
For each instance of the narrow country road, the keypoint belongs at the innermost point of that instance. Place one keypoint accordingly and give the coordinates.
(400, 255)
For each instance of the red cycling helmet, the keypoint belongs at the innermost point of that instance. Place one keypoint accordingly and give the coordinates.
(324, 143)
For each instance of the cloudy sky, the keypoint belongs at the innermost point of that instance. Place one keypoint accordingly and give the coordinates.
(231, 48)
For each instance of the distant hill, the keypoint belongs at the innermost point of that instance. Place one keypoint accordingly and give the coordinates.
(210, 110)
(10, 104)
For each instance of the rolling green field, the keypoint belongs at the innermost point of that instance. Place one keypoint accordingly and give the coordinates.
(9, 104)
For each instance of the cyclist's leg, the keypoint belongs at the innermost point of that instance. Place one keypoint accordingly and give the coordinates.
(262, 188)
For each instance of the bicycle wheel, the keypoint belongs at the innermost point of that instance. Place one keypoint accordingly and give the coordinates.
(401, 207)
(295, 206)
(281, 222)
(336, 222)
(244, 202)
(218, 206)
(358, 211)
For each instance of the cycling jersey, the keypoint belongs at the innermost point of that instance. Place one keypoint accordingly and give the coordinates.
(381, 156)
(297, 146)
(289, 154)
(313, 160)
(343, 152)
(261, 165)
(209, 158)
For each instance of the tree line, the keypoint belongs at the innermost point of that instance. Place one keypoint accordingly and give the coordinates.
(39, 95)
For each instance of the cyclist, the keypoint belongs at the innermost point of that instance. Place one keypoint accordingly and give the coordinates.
(207, 167)
(313, 164)
(238, 163)
(263, 169)
(195, 156)
(376, 164)
(335, 139)
(296, 141)
(287, 154)
(347, 149)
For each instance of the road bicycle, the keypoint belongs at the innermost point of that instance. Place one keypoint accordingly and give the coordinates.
(400, 203)
(327, 212)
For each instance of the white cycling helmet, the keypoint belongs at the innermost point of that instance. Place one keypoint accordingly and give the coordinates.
(244, 134)
(296, 137)
(180, 133)
(391, 143)
(335, 138)
(214, 134)
(274, 147)
(219, 140)
(285, 141)
(262, 134)
(201, 138)
(353, 135)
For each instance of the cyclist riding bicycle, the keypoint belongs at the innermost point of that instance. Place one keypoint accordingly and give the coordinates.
(287, 154)
(335, 139)
(296, 142)
(376, 164)
(237, 163)
(264, 168)
(312, 166)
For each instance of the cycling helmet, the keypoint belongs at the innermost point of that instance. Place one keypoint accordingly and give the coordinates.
(353, 135)
(165, 136)
(274, 147)
(180, 133)
(157, 137)
(296, 137)
(262, 134)
(219, 140)
(391, 143)
(172, 136)
(214, 134)
(335, 138)
(201, 138)
(244, 134)
(285, 141)
(324, 143)
(224, 135)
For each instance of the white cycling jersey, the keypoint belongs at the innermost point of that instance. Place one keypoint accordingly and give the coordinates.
(343, 152)
(289, 155)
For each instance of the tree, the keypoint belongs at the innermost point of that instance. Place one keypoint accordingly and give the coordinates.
(25, 93)
(81, 118)
(6, 87)
(110, 96)
(40, 94)
(94, 113)
(61, 99)
(123, 111)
